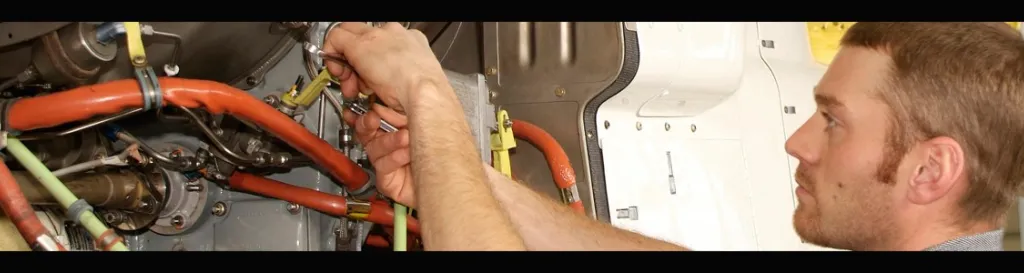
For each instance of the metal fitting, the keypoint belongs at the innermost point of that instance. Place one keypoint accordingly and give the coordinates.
(219, 209)
(293, 208)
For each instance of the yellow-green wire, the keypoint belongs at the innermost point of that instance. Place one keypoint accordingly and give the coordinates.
(57, 189)
(400, 228)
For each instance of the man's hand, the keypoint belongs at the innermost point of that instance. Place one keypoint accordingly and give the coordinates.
(390, 61)
(389, 152)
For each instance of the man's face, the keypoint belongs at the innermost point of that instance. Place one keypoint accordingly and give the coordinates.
(842, 203)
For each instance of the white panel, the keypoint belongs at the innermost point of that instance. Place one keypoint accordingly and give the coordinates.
(796, 73)
(733, 188)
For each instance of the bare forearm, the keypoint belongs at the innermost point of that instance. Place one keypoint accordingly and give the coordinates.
(546, 225)
(457, 210)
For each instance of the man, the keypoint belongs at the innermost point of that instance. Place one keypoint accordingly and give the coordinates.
(915, 147)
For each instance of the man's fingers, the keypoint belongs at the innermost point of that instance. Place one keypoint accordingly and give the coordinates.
(367, 125)
(350, 87)
(394, 118)
(356, 27)
(394, 26)
(392, 162)
(387, 143)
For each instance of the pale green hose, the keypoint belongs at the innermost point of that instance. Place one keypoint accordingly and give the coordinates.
(57, 189)
(400, 227)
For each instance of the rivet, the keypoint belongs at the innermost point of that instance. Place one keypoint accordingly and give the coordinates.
(607, 124)
(491, 71)
(693, 128)
(560, 92)
(667, 126)
(639, 126)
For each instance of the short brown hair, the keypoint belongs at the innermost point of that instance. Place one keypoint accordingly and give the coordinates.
(962, 80)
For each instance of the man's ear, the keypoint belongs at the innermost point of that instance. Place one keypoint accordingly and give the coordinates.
(941, 167)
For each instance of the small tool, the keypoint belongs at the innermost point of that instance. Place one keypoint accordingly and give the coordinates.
(312, 48)
(359, 109)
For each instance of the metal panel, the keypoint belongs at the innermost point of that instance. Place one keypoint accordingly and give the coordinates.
(544, 73)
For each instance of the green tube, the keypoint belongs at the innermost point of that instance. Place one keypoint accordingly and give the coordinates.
(400, 227)
(57, 188)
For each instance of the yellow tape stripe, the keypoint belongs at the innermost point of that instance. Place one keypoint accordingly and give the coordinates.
(133, 37)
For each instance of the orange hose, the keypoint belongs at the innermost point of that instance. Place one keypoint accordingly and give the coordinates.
(17, 208)
(320, 201)
(558, 161)
(115, 96)
(377, 241)
(380, 212)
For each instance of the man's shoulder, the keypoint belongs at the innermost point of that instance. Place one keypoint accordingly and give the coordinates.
(987, 241)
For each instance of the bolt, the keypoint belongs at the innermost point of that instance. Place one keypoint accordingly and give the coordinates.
(293, 208)
(639, 126)
(194, 187)
(250, 80)
(560, 92)
(178, 222)
(139, 59)
(693, 128)
(667, 126)
(271, 99)
(493, 94)
(218, 131)
(491, 71)
(220, 176)
(113, 217)
(590, 134)
(219, 209)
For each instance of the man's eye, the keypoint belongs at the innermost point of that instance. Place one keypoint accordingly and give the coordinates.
(829, 121)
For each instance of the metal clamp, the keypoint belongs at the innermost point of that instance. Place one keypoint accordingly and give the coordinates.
(76, 209)
(570, 195)
(152, 96)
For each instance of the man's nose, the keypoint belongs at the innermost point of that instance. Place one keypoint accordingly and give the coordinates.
(802, 145)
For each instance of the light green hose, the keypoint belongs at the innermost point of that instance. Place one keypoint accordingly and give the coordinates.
(57, 188)
(400, 227)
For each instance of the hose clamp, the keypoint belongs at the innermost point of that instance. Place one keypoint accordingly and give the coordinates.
(5, 117)
(368, 189)
(108, 240)
(152, 96)
(46, 242)
(77, 208)
(570, 195)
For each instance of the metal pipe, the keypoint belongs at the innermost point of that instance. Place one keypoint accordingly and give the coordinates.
(113, 190)
(216, 139)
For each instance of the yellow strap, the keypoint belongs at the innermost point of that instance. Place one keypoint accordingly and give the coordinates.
(312, 91)
(133, 37)
(503, 140)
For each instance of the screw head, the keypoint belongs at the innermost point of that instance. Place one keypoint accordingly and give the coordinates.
(560, 91)
(139, 59)
(293, 208)
(491, 71)
(693, 128)
(668, 126)
(639, 126)
(607, 124)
